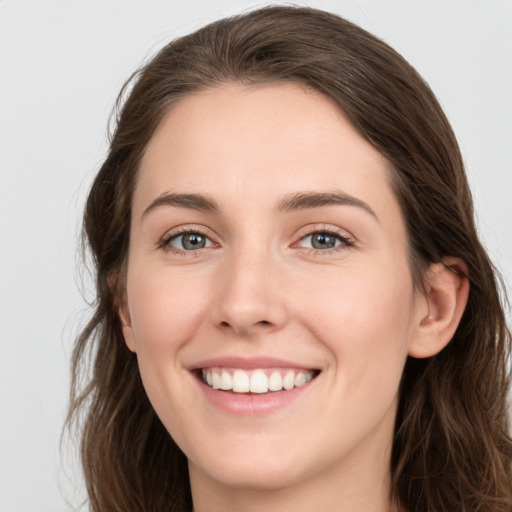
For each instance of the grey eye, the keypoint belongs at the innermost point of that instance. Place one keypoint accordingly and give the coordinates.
(193, 241)
(189, 241)
(323, 241)
(320, 241)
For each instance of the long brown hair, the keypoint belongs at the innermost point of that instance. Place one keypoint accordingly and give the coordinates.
(451, 450)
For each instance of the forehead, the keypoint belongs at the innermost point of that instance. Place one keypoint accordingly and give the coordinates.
(271, 139)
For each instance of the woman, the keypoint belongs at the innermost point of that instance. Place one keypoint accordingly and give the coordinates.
(294, 310)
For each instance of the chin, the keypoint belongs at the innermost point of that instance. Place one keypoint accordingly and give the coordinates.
(257, 480)
(263, 474)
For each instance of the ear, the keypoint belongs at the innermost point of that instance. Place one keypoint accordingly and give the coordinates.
(446, 296)
(117, 286)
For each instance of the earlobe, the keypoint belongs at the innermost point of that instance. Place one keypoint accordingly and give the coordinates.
(118, 291)
(447, 291)
(126, 325)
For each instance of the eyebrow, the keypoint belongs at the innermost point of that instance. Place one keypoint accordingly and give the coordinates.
(309, 200)
(291, 202)
(200, 202)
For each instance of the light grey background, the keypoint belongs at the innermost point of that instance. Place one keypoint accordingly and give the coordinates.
(61, 66)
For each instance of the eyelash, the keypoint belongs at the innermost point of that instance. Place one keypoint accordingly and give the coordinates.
(346, 242)
(165, 242)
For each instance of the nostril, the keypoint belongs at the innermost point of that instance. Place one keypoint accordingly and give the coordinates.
(225, 324)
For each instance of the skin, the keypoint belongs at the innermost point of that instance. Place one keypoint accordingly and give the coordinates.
(259, 288)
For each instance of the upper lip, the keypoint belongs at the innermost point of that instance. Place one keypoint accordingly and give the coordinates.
(252, 363)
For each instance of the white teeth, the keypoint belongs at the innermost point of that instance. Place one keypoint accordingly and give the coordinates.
(259, 382)
(255, 381)
(216, 380)
(300, 380)
(226, 382)
(275, 382)
(289, 380)
(240, 381)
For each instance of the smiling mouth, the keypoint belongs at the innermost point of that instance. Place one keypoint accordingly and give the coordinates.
(258, 381)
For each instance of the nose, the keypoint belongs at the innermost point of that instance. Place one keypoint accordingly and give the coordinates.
(250, 298)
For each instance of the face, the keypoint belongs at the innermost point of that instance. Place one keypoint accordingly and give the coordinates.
(269, 298)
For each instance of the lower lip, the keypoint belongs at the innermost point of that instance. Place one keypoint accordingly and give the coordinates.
(254, 403)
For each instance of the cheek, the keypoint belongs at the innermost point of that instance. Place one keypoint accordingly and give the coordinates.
(366, 321)
(166, 312)
(165, 309)
(366, 325)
